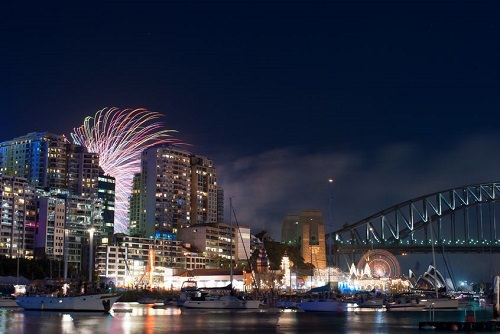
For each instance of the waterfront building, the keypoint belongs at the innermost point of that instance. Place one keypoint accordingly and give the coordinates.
(218, 241)
(68, 226)
(306, 230)
(84, 226)
(220, 278)
(144, 262)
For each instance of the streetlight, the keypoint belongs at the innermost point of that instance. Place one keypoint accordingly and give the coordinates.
(329, 225)
(91, 253)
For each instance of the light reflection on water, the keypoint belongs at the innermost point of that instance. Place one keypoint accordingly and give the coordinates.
(135, 318)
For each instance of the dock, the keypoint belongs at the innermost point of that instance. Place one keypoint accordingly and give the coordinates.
(479, 326)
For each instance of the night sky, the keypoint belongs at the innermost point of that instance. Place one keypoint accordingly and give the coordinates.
(392, 99)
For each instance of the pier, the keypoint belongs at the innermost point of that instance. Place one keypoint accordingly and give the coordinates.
(480, 326)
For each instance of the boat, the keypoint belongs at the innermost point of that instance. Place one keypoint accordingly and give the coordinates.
(8, 301)
(225, 299)
(322, 300)
(10, 288)
(221, 302)
(322, 305)
(405, 307)
(218, 298)
(102, 302)
(370, 300)
(440, 303)
(371, 303)
(189, 289)
(405, 302)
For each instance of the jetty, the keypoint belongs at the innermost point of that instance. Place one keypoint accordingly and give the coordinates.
(451, 326)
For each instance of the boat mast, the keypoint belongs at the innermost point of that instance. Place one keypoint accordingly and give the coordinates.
(433, 259)
(231, 242)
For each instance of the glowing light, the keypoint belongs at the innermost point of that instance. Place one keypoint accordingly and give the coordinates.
(119, 136)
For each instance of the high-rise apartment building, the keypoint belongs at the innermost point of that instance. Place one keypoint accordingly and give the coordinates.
(175, 189)
(18, 210)
(63, 179)
(39, 157)
(137, 216)
(204, 197)
(50, 234)
(106, 193)
(51, 162)
(83, 171)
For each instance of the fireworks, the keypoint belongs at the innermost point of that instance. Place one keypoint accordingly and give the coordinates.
(119, 136)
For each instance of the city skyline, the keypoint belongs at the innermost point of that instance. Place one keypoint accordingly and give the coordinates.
(391, 99)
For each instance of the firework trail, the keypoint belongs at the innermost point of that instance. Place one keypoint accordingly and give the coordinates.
(119, 136)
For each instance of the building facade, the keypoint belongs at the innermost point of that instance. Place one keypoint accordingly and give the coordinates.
(135, 262)
(106, 193)
(18, 221)
(175, 189)
(68, 196)
(218, 241)
(306, 230)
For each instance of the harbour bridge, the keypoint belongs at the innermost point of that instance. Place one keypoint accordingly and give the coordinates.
(460, 220)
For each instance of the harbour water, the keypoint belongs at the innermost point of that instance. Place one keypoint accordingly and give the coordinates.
(136, 318)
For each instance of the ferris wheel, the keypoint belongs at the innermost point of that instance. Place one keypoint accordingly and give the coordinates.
(381, 262)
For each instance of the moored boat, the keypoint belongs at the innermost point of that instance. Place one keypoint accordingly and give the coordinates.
(408, 306)
(442, 303)
(221, 302)
(371, 303)
(226, 297)
(8, 301)
(189, 290)
(86, 302)
(404, 302)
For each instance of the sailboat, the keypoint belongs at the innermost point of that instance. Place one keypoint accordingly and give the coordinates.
(318, 304)
(223, 301)
(64, 301)
(87, 302)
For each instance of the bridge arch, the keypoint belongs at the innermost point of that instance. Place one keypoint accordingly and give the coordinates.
(462, 219)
